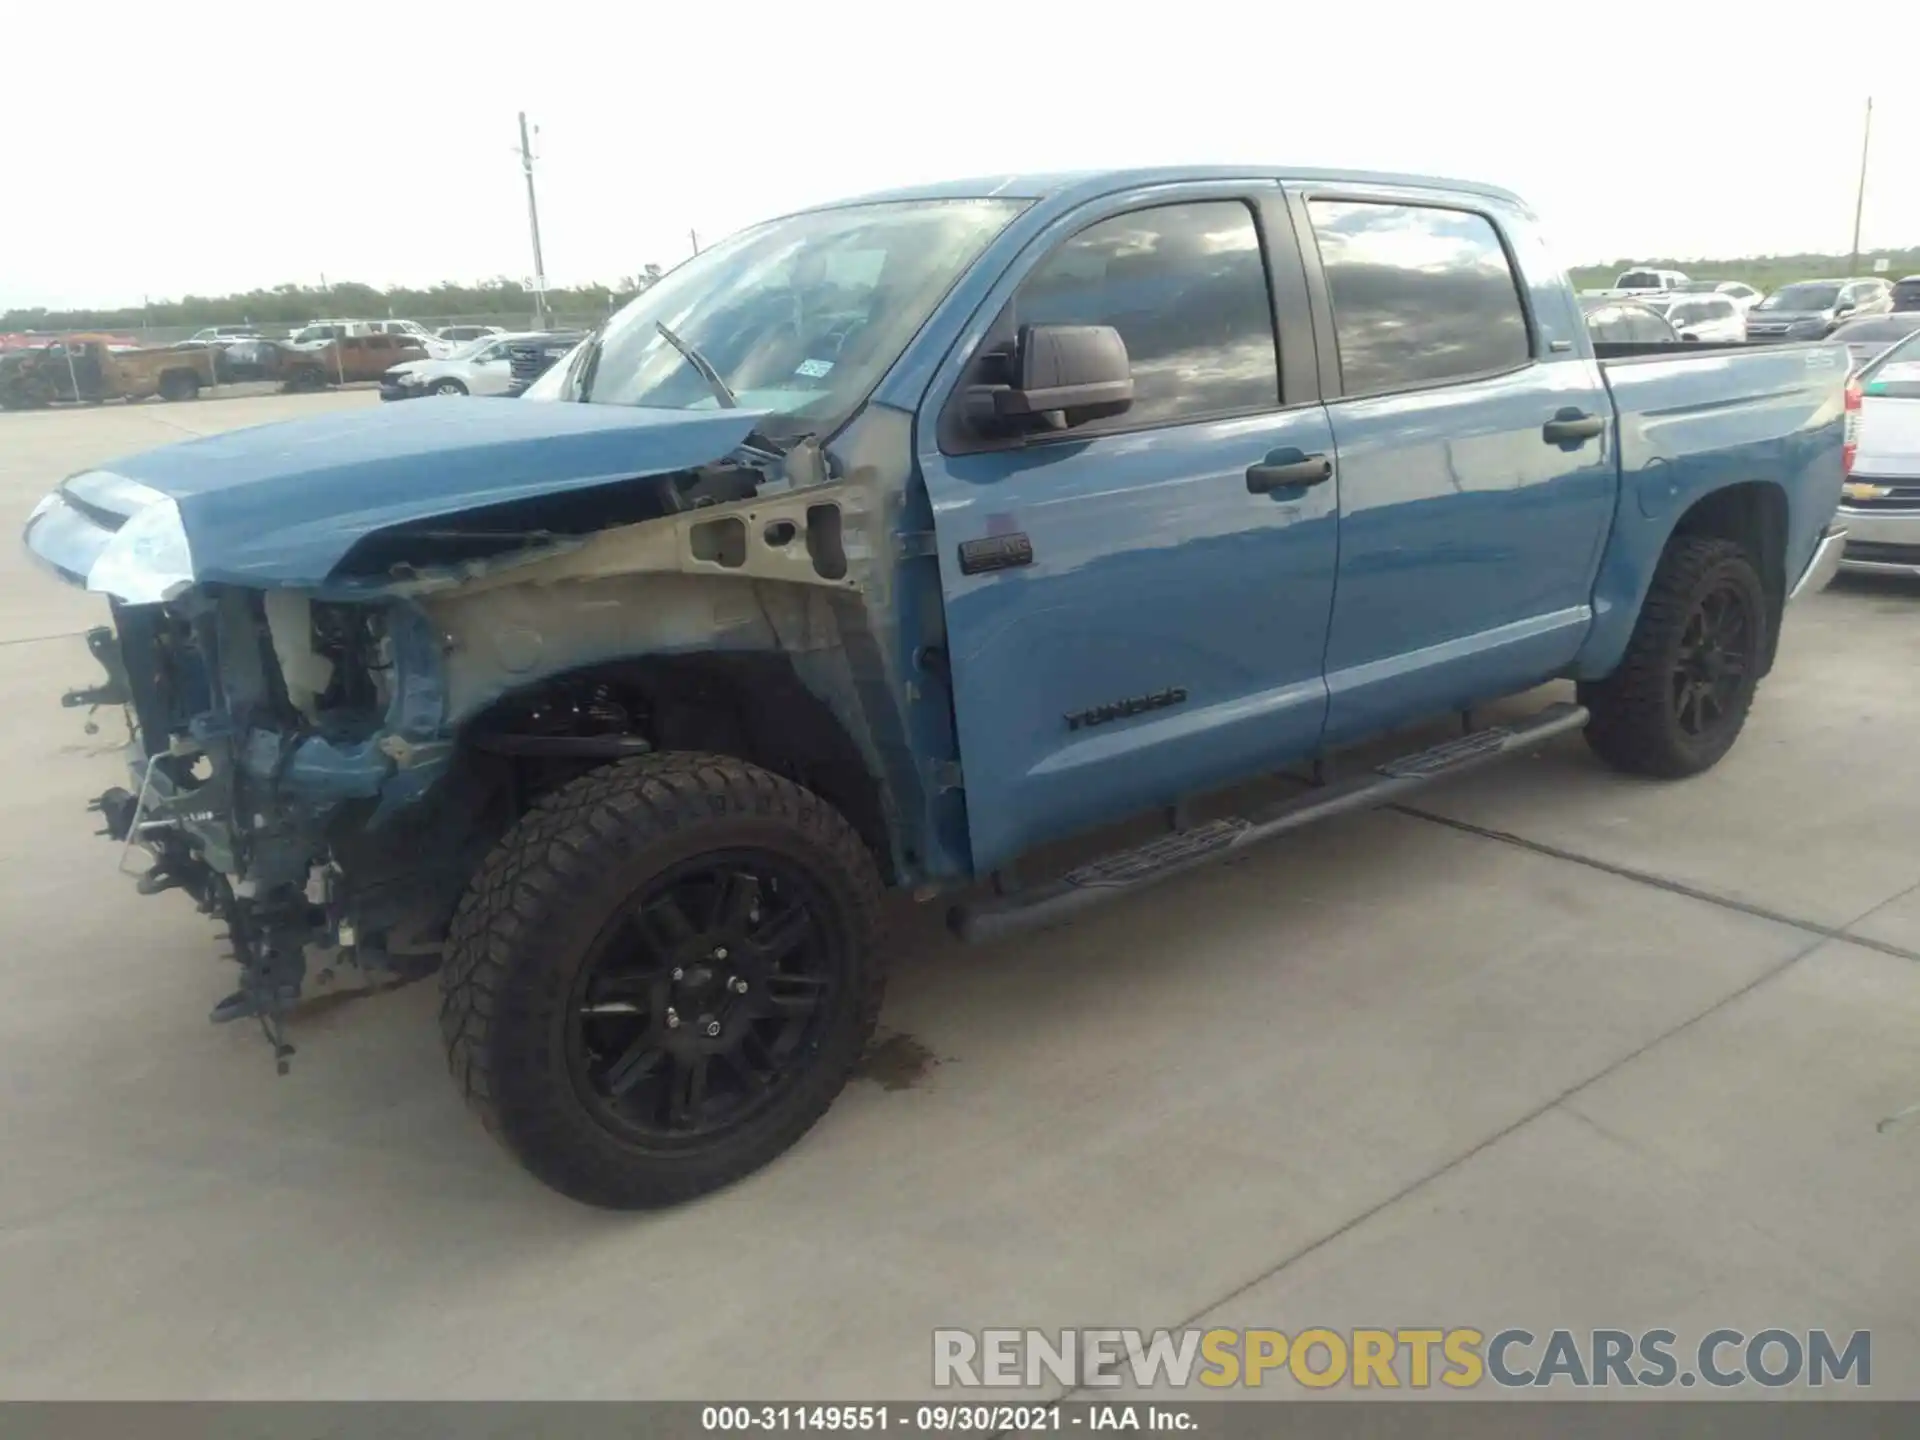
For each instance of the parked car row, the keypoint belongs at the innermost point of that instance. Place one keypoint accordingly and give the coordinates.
(1644, 284)
(1811, 309)
(1867, 313)
(93, 368)
(438, 343)
(1661, 319)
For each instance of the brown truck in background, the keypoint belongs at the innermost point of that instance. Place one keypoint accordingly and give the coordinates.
(344, 360)
(93, 368)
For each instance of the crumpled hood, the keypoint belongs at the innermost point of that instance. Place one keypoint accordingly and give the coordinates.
(281, 505)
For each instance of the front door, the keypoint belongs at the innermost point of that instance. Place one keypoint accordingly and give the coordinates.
(1144, 619)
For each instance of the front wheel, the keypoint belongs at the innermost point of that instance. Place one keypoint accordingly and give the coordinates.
(1681, 694)
(662, 976)
(448, 387)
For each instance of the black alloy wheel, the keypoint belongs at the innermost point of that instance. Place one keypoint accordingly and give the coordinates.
(1716, 652)
(700, 1005)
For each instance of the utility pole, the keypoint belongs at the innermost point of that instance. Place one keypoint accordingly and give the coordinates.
(694, 236)
(533, 223)
(1860, 196)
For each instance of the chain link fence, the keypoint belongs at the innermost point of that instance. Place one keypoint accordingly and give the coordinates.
(511, 321)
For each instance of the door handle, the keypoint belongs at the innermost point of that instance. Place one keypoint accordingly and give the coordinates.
(1571, 426)
(1287, 470)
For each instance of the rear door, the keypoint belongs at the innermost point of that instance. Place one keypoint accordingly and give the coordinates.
(1475, 448)
(1154, 617)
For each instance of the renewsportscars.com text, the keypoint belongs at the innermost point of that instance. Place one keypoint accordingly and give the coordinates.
(1460, 1358)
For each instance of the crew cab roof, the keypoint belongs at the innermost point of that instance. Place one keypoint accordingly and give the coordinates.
(1086, 184)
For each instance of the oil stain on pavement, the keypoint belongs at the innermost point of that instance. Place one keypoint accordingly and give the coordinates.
(895, 1062)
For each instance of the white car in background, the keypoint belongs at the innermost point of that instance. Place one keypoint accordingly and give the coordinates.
(480, 367)
(1880, 501)
(1645, 282)
(1738, 291)
(1711, 319)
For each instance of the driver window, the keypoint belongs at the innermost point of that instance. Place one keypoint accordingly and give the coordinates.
(1186, 288)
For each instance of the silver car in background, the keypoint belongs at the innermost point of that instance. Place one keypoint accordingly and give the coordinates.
(1880, 501)
(1871, 336)
(1712, 319)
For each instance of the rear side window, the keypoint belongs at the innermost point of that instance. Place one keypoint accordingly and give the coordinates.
(1607, 325)
(1643, 327)
(1186, 288)
(1420, 294)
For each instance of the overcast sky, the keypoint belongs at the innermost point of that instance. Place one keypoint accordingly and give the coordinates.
(167, 149)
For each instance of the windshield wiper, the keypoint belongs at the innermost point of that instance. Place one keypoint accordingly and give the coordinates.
(587, 364)
(701, 365)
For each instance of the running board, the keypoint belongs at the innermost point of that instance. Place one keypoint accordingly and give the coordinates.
(1127, 871)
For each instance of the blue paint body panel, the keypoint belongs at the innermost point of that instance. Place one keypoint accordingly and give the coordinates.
(1471, 557)
(1691, 425)
(281, 505)
(1155, 568)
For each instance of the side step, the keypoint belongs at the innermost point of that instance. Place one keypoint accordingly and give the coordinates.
(1126, 871)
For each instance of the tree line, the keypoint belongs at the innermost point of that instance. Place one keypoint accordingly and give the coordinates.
(291, 305)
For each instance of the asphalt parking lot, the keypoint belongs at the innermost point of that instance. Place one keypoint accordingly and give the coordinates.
(1558, 1050)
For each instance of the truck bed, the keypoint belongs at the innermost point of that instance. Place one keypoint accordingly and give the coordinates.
(1649, 349)
(1694, 418)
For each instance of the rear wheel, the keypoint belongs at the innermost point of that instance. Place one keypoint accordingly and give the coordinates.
(1680, 696)
(179, 385)
(662, 977)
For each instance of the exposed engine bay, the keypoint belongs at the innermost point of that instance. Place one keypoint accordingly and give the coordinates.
(321, 769)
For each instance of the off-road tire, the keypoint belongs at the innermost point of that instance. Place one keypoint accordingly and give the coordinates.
(529, 919)
(1634, 726)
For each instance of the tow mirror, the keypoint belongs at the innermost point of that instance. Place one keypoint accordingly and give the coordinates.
(1078, 372)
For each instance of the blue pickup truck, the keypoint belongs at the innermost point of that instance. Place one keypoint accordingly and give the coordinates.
(878, 546)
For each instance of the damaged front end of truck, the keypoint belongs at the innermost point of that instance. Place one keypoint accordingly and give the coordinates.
(351, 655)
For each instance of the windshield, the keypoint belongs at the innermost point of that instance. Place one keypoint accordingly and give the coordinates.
(1638, 280)
(1689, 311)
(797, 317)
(1801, 297)
(1895, 374)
